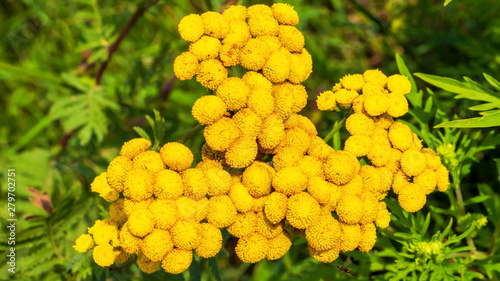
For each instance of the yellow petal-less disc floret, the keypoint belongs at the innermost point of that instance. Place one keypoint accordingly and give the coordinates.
(146, 265)
(249, 122)
(117, 170)
(261, 25)
(139, 184)
(279, 246)
(187, 208)
(211, 241)
(267, 228)
(344, 98)
(259, 10)
(379, 155)
(341, 167)
(277, 67)
(134, 147)
(350, 209)
(186, 235)
(358, 145)
(399, 84)
(327, 256)
(141, 222)
(359, 124)
(290, 180)
(129, 243)
(296, 138)
(371, 88)
(254, 54)
(195, 184)
(413, 162)
(311, 167)
(157, 244)
(239, 34)
(219, 181)
(205, 48)
(252, 248)
(256, 80)
(352, 82)
(302, 210)
(350, 237)
(443, 181)
(117, 211)
(215, 24)
(275, 207)
(229, 55)
(261, 102)
(383, 216)
(186, 66)
(291, 38)
(376, 104)
(168, 185)
(412, 198)
(285, 13)
(383, 121)
(427, 180)
(234, 92)
(320, 189)
(176, 156)
(165, 213)
(287, 157)
(130, 206)
(272, 131)
(368, 237)
(397, 105)
(242, 200)
(211, 73)
(84, 243)
(400, 136)
(375, 76)
(326, 101)
(324, 233)
(177, 261)
(221, 134)
(257, 180)
(208, 109)
(235, 13)
(120, 255)
(242, 152)
(245, 224)
(319, 149)
(191, 27)
(103, 255)
(149, 160)
(221, 211)
(100, 185)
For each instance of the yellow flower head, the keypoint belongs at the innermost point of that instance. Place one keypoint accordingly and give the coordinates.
(266, 227)
(275, 207)
(235, 13)
(303, 123)
(229, 55)
(299, 95)
(417, 143)
(211, 73)
(236, 176)
(272, 131)
(239, 34)
(211, 241)
(368, 237)
(277, 67)
(344, 98)
(129, 243)
(234, 92)
(372, 179)
(358, 145)
(383, 216)
(176, 156)
(259, 203)
(165, 213)
(146, 265)
(187, 208)
(130, 206)
(221, 211)
(207, 164)
(134, 147)
(427, 180)
(100, 185)
(215, 24)
(242, 200)
(208, 153)
(302, 210)
(221, 134)
(242, 152)
(83, 243)
(400, 136)
(319, 149)
(141, 222)
(383, 121)
(350, 237)
(254, 54)
(287, 157)
(413, 162)
(245, 224)
(360, 124)
(191, 27)
(398, 105)
(326, 101)
(103, 255)
(324, 233)
(248, 121)
(261, 102)
(139, 184)
(261, 25)
(320, 190)
(257, 180)
(290, 180)
(300, 67)
(412, 198)
(311, 167)
(186, 66)
(376, 104)
(372, 88)
(350, 209)
(352, 82)
(205, 48)
(256, 80)
(157, 244)
(296, 138)
(195, 184)
(285, 14)
(379, 155)
(375, 76)
(433, 160)
(400, 181)
(353, 187)
(201, 209)
(386, 179)
(341, 167)
(398, 84)
(326, 256)
(219, 181)
(117, 170)
(117, 211)
(443, 181)
(259, 10)
(279, 246)
(177, 261)
(149, 160)
(369, 202)
(168, 185)
(120, 255)
(291, 38)
(252, 248)
(358, 104)
(208, 109)
(186, 235)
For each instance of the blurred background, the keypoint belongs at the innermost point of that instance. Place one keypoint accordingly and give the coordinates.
(59, 130)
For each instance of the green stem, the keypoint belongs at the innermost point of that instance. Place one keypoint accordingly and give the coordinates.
(491, 248)
(53, 242)
(336, 128)
(460, 201)
(190, 133)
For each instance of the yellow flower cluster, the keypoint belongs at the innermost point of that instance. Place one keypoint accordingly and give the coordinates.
(246, 115)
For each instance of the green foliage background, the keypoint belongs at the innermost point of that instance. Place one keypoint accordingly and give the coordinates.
(59, 129)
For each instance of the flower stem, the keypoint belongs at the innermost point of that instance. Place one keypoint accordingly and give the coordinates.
(53, 242)
(460, 201)
(190, 133)
(491, 248)
(336, 128)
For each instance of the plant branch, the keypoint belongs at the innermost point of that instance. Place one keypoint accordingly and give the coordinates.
(125, 31)
(336, 128)
(491, 248)
(53, 242)
(460, 200)
(190, 133)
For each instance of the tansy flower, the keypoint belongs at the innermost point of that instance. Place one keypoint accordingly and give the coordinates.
(411, 198)
(290, 180)
(417, 143)
(207, 153)
(195, 183)
(256, 80)
(291, 38)
(252, 248)
(221, 134)
(302, 210)
(201, 209)
(379, 155)
(433, 161)
(186, 66)
(134, 147)
(371, 88)
(139, 184)
(372, 179)
(368, 237)
(279, 246)
(272, 131)
(207, 164)
(383, 216)
(267, 228)
(400, 136)
(277, 67)
(358, 145)
(176, 156)
(397, 105)
(287, 157)
(235, 13)
(141, 222)
(211, 73)
(239, 34)
(229, 55)
(319, 149)
(83, 243)
(353, 187)
(381, 137)
(341, 167)
(177, 261)
(117, 211)
(257, 180)
(299, 95)
(285, 14)
(398, 84)
(259, 203)
(301, 67)
(383, 121)
(146, 265)
(443, 181)
(427, 180)
(104, 231)
(261, 25)
(320, 189)
(234, 92)
(296, 138)
(261, 102)
(375, 76)
(413, 162)
(326, 256)
(352, 82)
(205, 48)
(275, 207)
(370, 207)
(259, 10)
(191, 27)
(165, 213)
(350, 237)
(186, 235)
(120, 255)
(100, 185)
(103, 255)
(117, 170)
(236, 176)
(311, 167)
(242, 152)
(211, 241)
(376, 104)
(157, 244)
(344, 98)
(187, 208)
(400, 181)
(254, 54)
(208, 109)
(358, 104)
(215, 24)
(242, 200)
(219, 181)
(283, 99)
(386, 179)
(350, 209)
(129, 243)
(245, 224)
(221, 211)
(248, 122)
(130, 206)
(168, 185)
(359, 124)
(150, 160)
(324, 233)
(326, 101)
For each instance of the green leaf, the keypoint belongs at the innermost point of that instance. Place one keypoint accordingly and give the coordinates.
(484, 107)
(476, 199)
(194, 270)
(414, 97)
(490, 120)
(142, 133)
(446, 2)
(493, 82)
(212, 262)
